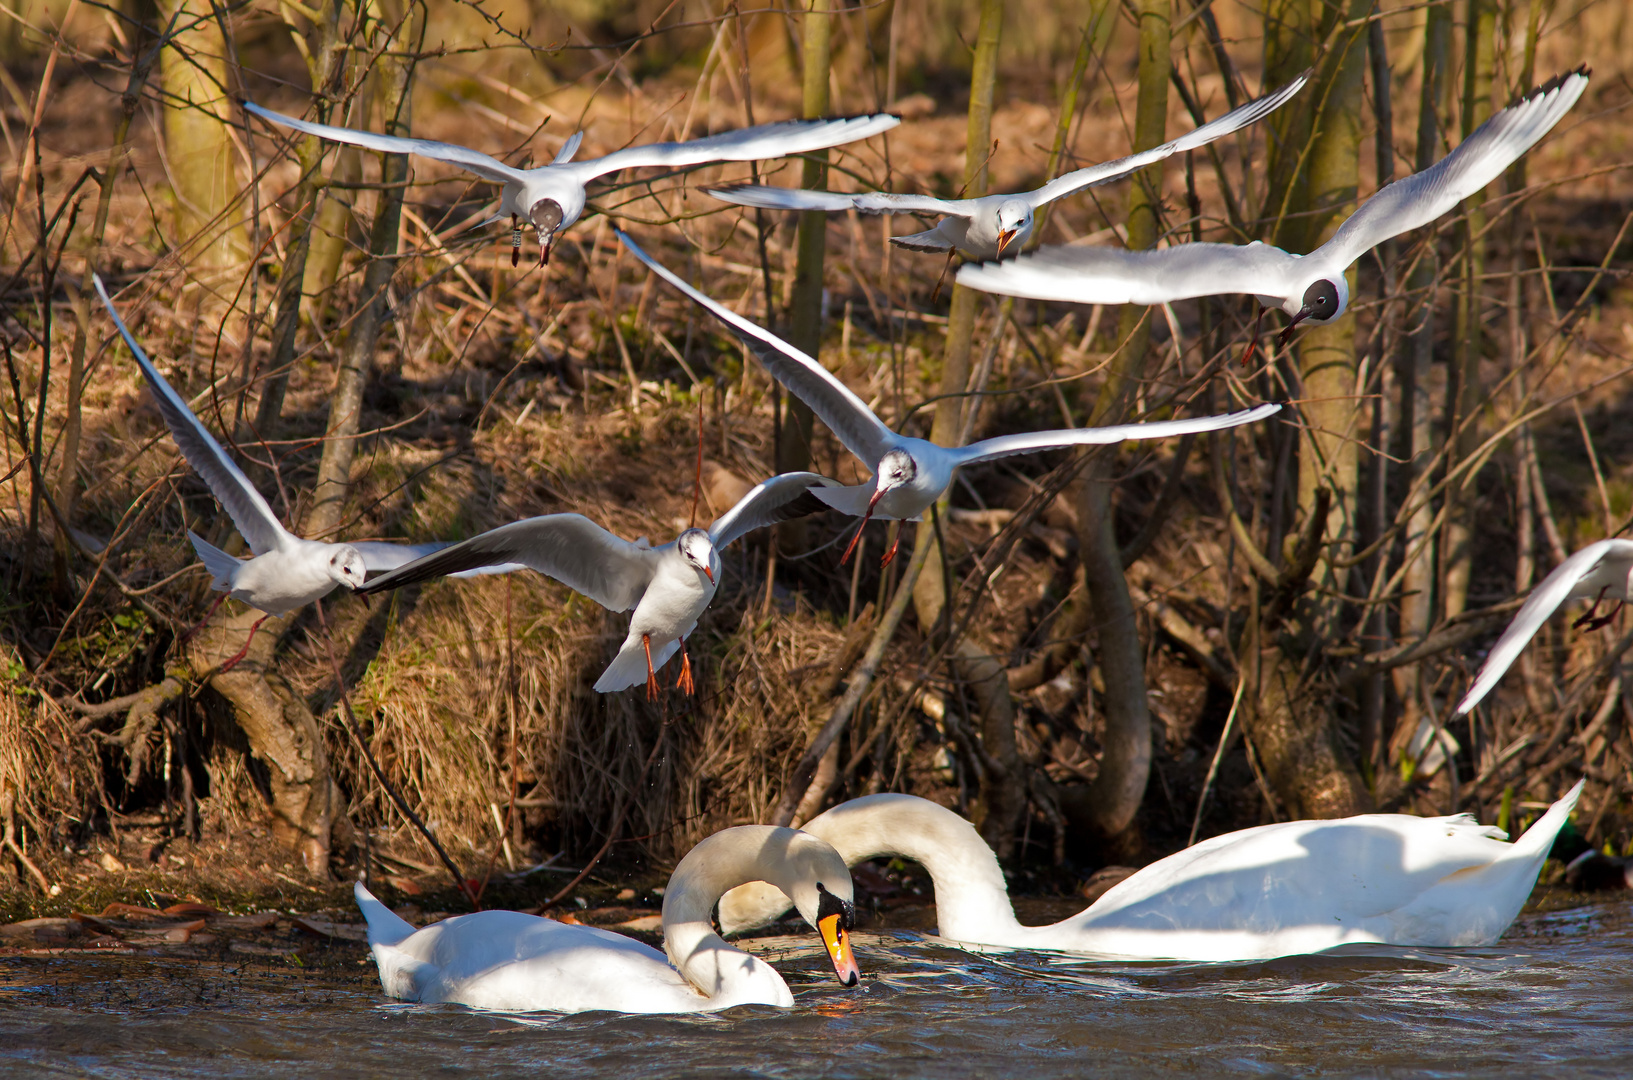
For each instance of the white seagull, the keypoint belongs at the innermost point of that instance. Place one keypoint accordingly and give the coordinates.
(988, 227)
(287, 572)
(1307, 287)
(668, 587)
(552, 196)
(1599, 572)
(908, 474)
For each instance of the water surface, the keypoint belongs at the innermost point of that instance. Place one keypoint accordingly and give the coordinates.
(1555, 996)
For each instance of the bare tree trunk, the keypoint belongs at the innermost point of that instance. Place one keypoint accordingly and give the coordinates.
(1113, 800)
(1417, 409)
(1003, 794)
(1478, 62)
(198, 148)
(1293, 725)
(322, 67)
(282, 733)
(334, 215)
(346, 402)
(805, 308)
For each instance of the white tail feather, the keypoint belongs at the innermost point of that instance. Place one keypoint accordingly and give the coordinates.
(628, 668)
(221, 566)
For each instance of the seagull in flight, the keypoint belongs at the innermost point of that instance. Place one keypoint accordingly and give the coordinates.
(1308, 288)
(990, 227)
(1599, 572)
(908, 474)
(668, 587)
(553, 196)
(286, 572)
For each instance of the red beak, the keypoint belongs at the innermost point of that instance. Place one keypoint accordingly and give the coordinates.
(1005, 239)
(1281, 339)
(845, 558)
(710, 574)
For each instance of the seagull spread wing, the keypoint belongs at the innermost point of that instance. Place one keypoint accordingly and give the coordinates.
(473, 160)
(1031, 442)
(1079, 274)
(1478, 160)
(1544, 600)
(255, 520)
(380, 556)
(866, 202)
(780, 498)
(747, 144)
(849, 418)
(1238, 118)
(568, 547)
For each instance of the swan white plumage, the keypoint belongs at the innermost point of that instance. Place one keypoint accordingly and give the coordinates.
(511, 962)
(1276, 890)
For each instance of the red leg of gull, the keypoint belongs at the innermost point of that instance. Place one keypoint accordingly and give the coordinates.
(232, 661)
(651, 676)
(891, 554)
(1253, 346)
(1589, 622)
(845, 558)
(220, 599)
(515, 241)
(685, 684)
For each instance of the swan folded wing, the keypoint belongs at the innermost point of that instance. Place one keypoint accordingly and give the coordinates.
(1544, 600)
(746, 144)
(505, 960)
(249, 511)
(1078, 274)
(845, 414)
(1032, 442)
(380, 556)
(1486, 154)
(489, 168)
(1278, 878)
(781, 498)
(1233, 121)
(568, 547)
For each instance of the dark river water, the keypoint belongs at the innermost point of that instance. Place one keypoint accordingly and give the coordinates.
(1555, 997)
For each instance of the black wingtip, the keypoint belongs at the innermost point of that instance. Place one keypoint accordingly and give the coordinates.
(1553, 84)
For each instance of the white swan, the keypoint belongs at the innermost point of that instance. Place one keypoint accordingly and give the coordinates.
(512, 962)
(1277, 890)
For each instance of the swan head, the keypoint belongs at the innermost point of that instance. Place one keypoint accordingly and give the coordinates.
(1014, 225)
(1322, 301)
(546, 216)
(346, 566)
(698, 550)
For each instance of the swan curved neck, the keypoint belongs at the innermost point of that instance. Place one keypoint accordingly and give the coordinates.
(724, 974)
(972, 900)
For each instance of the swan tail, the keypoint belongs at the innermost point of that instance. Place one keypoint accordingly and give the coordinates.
(221, 566)
(386, 927)
(1538, 840)
(401, 976)
(628, 668)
